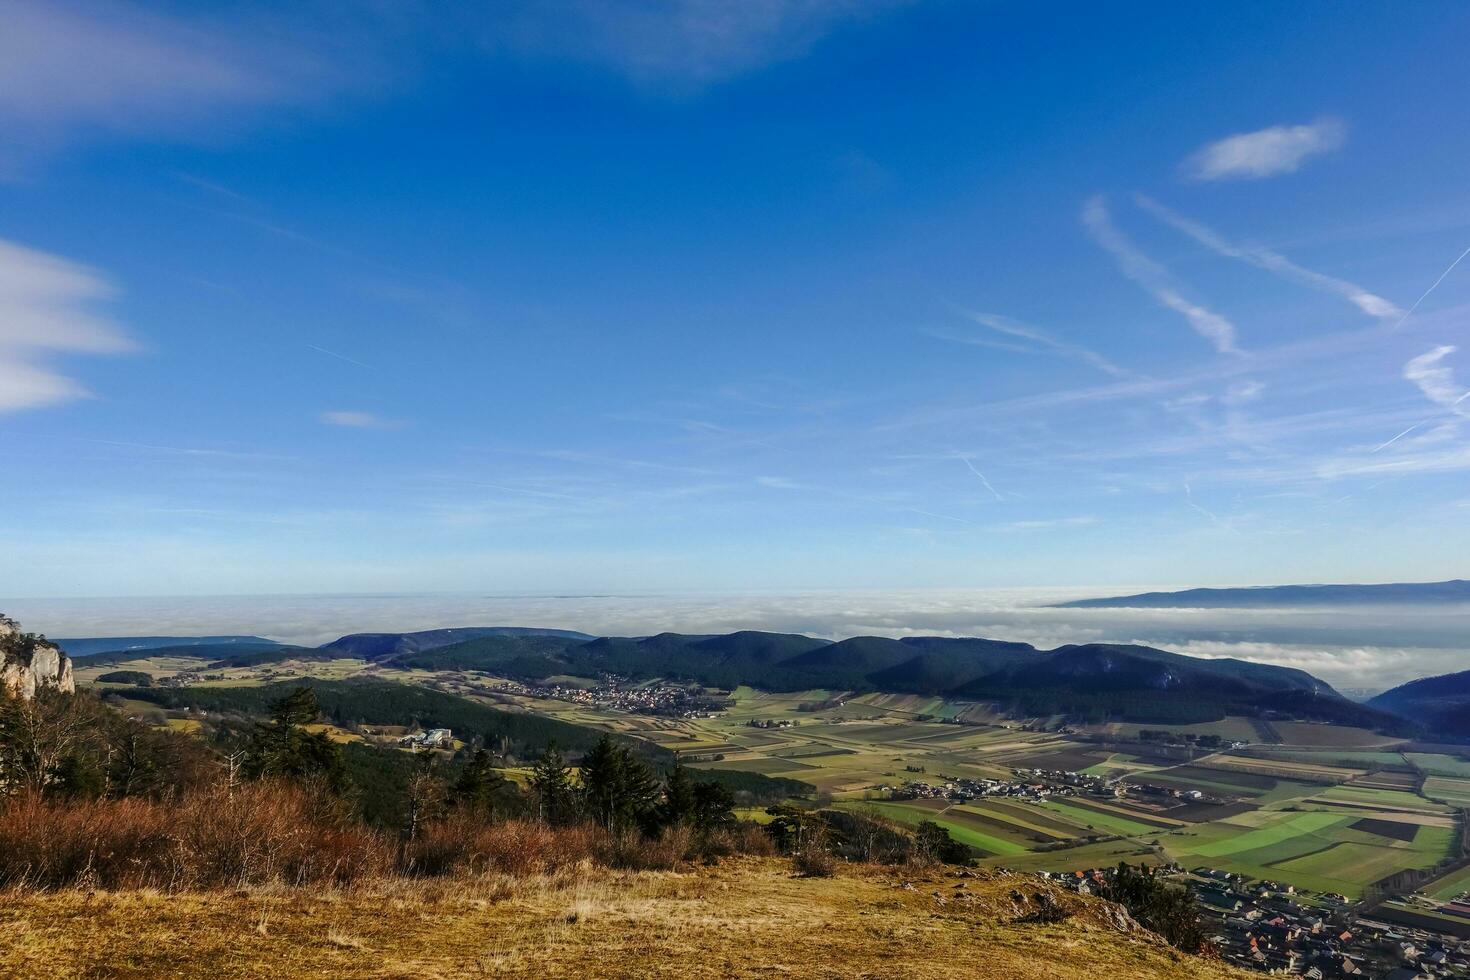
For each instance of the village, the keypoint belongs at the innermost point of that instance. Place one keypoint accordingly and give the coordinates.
(613, 693)
(1276, 929)
(1035, 784)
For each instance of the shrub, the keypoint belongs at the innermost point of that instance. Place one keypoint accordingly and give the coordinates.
(463, 843)
(260, 834)
(632, 851)
(274, 833)
(813, 862)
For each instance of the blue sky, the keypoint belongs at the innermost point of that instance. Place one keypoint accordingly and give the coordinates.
(790, 294)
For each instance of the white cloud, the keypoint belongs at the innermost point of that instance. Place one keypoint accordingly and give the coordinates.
(1265, 152)
(72, 68)
(1264, 258)
(358, 420)
(1153, 277)
(1437, 381)
(681, 42)
(44, 310)
(78, 69)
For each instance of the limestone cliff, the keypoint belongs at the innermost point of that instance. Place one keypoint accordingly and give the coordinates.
(28, 662)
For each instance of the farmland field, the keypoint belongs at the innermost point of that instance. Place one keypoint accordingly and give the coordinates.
(958, 829)
(1441, 765)
(1455, 792)
(1323, 808)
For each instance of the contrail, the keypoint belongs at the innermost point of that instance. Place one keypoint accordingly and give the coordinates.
(1264, 258)
(1189, 496)
(340, 357)
(1399, 436)
(1155, 279)
(1012, 328)
(1431, 289)
(945, 517)
(983, 480)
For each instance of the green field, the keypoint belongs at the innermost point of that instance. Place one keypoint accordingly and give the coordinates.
(1103, 822)
(910, 815)
(1386, 799)
(1291, 805)
(1450, 886)
(1441, 765)
(1286, 826)
(1455, 792)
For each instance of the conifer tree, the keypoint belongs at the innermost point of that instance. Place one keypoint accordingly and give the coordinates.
(679, 805)
(479, 788)
(285, 749)
(551, 782)
(617, 788)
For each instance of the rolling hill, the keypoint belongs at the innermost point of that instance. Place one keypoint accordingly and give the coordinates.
(379, 646)
(1441, 704)
(1094, 681)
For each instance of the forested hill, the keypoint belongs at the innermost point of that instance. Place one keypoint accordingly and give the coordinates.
(1398, 593)
(1441, 704)
(1090, 681)
(1095, 681)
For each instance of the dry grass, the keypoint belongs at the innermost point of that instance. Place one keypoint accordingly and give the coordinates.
(748, 917)
(258, 834)
(274, 834)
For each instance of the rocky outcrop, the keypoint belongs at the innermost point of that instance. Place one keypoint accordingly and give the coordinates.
(28, 662)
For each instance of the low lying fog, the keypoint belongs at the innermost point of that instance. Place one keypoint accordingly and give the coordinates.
(1355, 648)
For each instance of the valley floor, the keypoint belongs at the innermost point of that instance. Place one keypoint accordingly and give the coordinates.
(744, 918)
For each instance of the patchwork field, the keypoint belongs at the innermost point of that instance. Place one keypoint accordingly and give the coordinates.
(1324, 808)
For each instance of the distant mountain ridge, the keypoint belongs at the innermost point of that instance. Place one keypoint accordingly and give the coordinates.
(92, 645)
(1454, 590)
(376, 646)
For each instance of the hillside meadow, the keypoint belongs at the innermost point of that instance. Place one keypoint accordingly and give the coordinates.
(746, 917)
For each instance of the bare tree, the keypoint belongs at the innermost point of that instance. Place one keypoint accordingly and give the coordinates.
(38, 737)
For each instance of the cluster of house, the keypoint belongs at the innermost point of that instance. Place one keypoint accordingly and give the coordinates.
(1140, 790)
(1028, 784)
(660, 699)
(434, 738)
(1270, 927)
(771, 723)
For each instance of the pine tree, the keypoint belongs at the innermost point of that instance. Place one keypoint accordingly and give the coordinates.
(714, 807)
(479, 788)
(638, 803)
(284, 749)
(618, 790)
(602, 778)
(551, 781)
(679, 806)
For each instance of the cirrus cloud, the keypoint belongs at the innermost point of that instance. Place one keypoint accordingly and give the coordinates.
(349, 419)
(46, 309)
(1437, 381)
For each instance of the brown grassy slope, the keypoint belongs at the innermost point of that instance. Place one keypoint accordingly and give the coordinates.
(746, 918)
